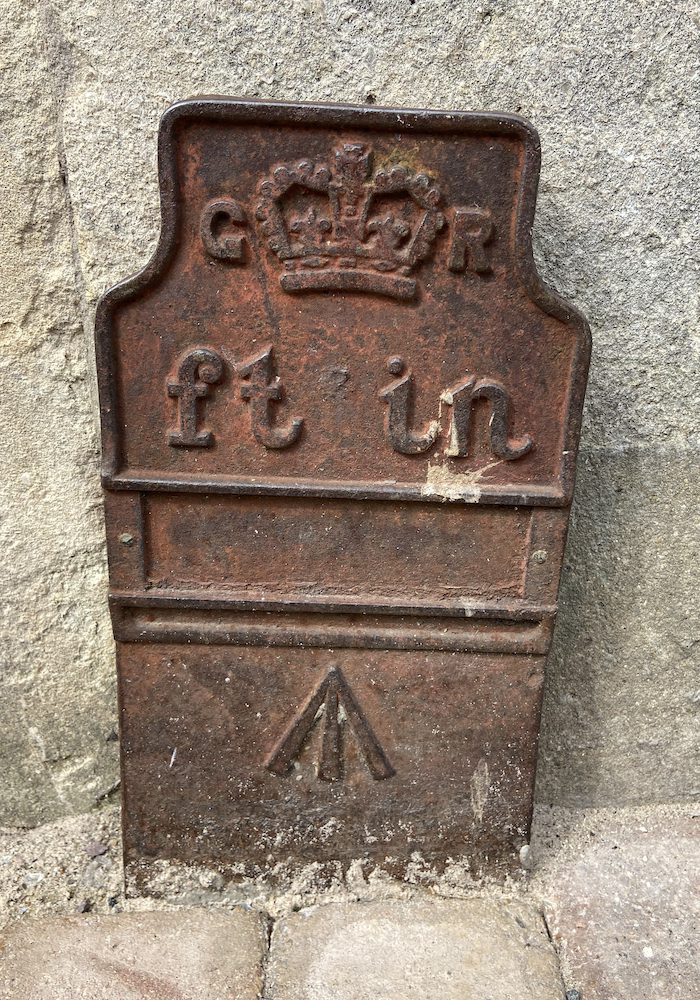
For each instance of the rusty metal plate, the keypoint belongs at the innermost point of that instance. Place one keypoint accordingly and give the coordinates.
(340, 419)
(237, 760)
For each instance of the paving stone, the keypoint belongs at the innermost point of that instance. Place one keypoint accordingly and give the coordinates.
(626, 915)
(180, 955)
(428, 950)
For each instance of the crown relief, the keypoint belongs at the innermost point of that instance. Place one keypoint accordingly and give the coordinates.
(337, 234)
(346, 228)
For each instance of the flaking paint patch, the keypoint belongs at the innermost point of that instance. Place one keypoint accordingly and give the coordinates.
(479, 789)
(443, 482)
(452, 448)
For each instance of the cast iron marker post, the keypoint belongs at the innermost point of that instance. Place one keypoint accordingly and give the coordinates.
(340, 418)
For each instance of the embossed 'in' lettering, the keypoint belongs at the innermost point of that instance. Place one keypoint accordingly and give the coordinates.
(399, 396)
(198, 370)
(332, 696)
(461, 398)
(214, 228)
(262, 389)
(472, 230)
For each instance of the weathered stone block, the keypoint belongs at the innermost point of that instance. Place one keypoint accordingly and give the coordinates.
(625, 915)
(192, 955)
(57, 709)
(616, 233)
(434, 950)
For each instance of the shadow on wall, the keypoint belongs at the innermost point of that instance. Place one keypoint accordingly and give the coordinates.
(620, 702)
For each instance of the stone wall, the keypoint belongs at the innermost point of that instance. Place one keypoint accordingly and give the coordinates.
(611, 85)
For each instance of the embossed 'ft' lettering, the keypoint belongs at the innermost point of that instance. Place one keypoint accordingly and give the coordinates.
(262, 389)
(198, 370)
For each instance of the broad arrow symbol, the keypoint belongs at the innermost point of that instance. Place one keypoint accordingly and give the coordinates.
(333, 700)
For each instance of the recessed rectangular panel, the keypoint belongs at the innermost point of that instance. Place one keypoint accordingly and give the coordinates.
(376, 550)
